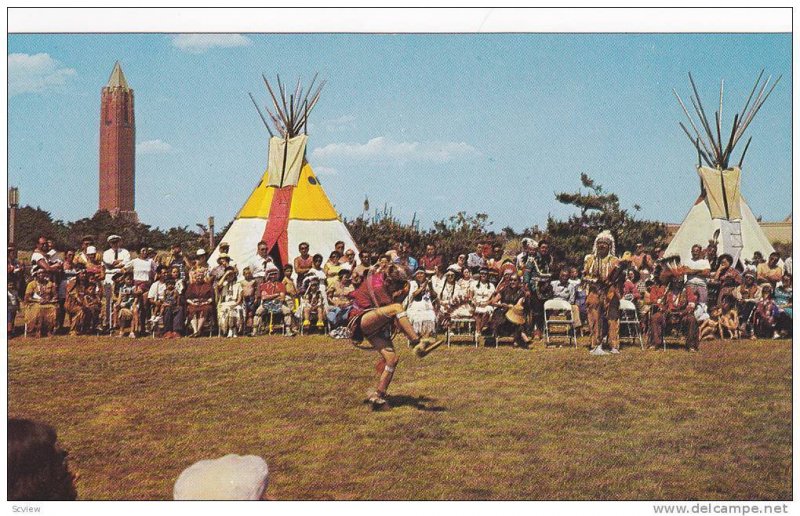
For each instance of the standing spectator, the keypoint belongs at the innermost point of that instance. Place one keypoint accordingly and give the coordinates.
(332, 268)
(641, 259)
(495, 261)
(200, 266)
(177, 259)
(114, 259)
(339, 248)
(698, 270)
(259, 263)
(538, 267)
(303, 263)
(528, 247)
(12, 307)
(476, 260)
(80, 257)
(40, 259)
(41, 298)
(67, 274)
(752, 265)
(94, 266)
(16, 269)
(225, 248)
(405, 260)
(771, 271)
(249, 301)
(223, 263)
(430, 260)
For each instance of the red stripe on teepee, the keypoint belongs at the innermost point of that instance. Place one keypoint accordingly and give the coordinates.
(276, 231)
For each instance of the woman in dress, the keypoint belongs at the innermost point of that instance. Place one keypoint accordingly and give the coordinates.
(482, 293)
(420, 304)
(199, 303)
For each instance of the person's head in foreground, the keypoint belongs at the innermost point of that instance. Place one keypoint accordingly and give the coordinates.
(232, 477)
(37, 465)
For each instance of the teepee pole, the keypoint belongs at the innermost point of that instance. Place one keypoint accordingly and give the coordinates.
(261, 115)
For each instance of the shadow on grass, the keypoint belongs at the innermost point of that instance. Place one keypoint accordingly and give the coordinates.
(417, 402)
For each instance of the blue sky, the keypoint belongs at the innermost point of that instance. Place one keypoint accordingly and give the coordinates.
(432, 124)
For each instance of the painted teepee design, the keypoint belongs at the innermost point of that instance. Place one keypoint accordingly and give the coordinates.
(289, 205)
(720, 212)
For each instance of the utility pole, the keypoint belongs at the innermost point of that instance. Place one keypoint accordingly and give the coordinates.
(211, 245)
(13, 204)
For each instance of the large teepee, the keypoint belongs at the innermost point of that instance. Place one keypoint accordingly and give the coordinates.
(288, 206)
(720, 212)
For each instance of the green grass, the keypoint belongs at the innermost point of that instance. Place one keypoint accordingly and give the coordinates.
(466, 423)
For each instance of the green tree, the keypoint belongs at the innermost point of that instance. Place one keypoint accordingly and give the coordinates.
(573, 238)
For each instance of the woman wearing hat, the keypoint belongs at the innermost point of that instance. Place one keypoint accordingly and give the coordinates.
(41, 298)
(200, 266)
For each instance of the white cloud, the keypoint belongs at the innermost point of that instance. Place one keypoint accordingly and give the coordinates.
(382, 149)
(35, 73)
(199, 43)
(325, 171)
(153, 147)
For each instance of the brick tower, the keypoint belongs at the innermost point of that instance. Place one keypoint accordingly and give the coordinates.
(117, 146)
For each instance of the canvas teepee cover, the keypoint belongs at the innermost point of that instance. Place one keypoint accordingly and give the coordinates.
(720, 212)
(288, 206)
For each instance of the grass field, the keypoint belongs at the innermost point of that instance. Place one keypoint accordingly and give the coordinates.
(466, 423)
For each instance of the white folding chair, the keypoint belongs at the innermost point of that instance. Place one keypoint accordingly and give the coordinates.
(558, 313)
(459, 323)
(629, 318)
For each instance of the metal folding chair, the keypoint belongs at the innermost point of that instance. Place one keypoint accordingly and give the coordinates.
(460, 323)
(629, 318)
(558, 314)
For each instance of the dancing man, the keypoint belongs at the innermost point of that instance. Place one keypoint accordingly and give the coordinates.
(377, 310)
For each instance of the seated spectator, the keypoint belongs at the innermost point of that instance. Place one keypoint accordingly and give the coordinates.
(494, 261)
(420, 304)
(528, 247)
(37, 464)
(783, 294)
(437, 278)
(339, 301)
(366, 262)
(289, 284)
(482, 292)
(454, 298)
(509, 317)
(349, 259)
(199, 303)
(126, 307)
(641, 259)
(223, 264)
(317, 271)
(765, 319)
(753, 263)
(225, 248)
(230, 309)
(332, 268)
(155, 296)
(312, 303)
(565, 289)
(542, 292)
(171, 311)
(679, 309)
(272, 294)
(728, 317)
(747, 295)
(770, 272)
(461, 262)
(41, 298)
(630, 289)
(232, 477)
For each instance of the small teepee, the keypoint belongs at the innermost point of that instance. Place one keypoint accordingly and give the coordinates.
(720, 212)
(289, 205)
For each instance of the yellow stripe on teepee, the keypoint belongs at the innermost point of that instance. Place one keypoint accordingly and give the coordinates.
(259, 202)
(309, 201)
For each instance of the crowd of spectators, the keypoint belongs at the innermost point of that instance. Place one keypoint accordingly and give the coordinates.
(173, 294)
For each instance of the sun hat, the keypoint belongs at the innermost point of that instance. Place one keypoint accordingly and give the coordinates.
(516, 314)
(91, 250)
(232, 477)
(223, 256)
(200, 252)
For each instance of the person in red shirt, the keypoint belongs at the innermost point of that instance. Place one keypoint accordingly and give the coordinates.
(676, 307)
(430, 260)
(376, 310)
(272, 294)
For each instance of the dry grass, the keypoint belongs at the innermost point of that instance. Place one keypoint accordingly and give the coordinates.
(466, 423)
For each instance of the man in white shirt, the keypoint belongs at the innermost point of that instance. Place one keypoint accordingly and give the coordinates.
(115, 259)
(259, 262)
(142, 268)
(697, 275)
(528, 248)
